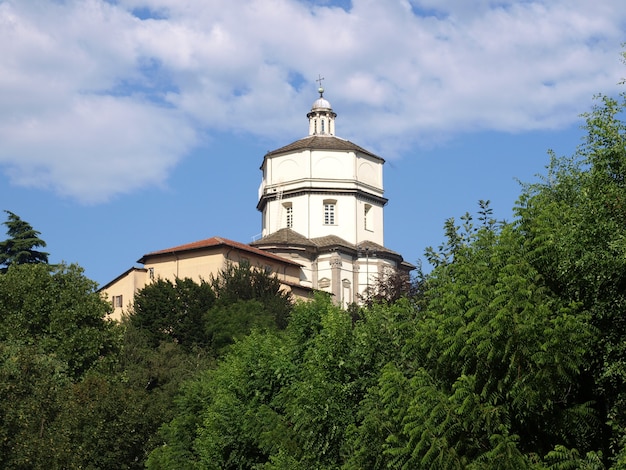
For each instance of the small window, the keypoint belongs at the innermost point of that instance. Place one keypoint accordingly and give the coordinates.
(288, 215)
(329, 213)
(117, 301)
(322, 126)
(367, 216)
(151, 273)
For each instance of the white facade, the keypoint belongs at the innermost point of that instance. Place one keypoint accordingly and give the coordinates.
(323, 185)
(301, 187)
(322, 201)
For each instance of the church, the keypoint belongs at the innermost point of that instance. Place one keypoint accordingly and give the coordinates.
(322, 204)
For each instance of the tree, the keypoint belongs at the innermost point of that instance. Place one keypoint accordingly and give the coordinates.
(286, 399)
(244, 282)
(32, 385)
(20, 247)
(58, 309)
(574, 222)
(491, 377)
(173, 311)
(392, 285)
(53, 332)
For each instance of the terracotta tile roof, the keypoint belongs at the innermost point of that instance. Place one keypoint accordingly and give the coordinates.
(317, 142)
(216, 242)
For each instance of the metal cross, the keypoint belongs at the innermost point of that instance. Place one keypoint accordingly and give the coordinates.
(319, 80)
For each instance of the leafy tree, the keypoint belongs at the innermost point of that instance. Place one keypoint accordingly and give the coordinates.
(53, 332)
(392, 285)
(243, 282)
(285, 399)
(32, 384)
(20, 247)
(173, 311)
(58, 309)
(575, 228)
(102, 423)
(492, 373)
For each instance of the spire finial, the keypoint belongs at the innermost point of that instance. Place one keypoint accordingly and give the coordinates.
(320, 90)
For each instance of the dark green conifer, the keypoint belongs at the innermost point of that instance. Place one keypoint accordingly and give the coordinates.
(19, 248)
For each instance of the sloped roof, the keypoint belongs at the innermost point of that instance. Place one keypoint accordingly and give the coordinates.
(322, 142)
(330, 241)
(289, 237)
(284, 236)
(121, 276)
(216, 242)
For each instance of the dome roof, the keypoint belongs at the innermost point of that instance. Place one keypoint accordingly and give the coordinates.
(321, 102)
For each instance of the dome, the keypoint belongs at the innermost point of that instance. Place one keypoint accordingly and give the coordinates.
(321, 117)
(321, 103)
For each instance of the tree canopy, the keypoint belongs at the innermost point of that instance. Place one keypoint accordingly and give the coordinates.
(20, 247)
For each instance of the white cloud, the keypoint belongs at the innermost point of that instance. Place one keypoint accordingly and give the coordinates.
(101, 98)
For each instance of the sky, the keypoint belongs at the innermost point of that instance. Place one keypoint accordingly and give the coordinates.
(129, 126)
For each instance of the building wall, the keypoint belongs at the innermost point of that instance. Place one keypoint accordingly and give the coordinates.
(304, 180)
(122, 291)
(197, 265)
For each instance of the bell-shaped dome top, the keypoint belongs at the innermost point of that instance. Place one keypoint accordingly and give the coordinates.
(321, 102)
(321, 117)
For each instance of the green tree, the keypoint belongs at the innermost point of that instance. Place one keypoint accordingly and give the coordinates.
(244, 282)
(492, 376)
(58, 309)
(286, 399)
(53, 332)
(173, 311)
(32, 387)
(19, 248)
(574, 223)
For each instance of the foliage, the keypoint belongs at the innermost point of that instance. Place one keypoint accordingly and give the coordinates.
(493, 373)
(57, 309)
(392, 285)
(31, 386)
(20, 247)
(244, 282)
(53, 331)
(103, 423)
(575, 226)
(173, 311)
(285, 399)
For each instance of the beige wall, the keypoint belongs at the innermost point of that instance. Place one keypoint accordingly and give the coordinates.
(197, 265)
(121, 292)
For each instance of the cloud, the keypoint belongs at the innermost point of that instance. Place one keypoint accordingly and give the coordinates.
(100, 98)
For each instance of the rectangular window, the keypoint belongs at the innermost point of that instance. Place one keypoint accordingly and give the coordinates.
(289, 214)
(117, 301)
(367, 223)
(329, 214)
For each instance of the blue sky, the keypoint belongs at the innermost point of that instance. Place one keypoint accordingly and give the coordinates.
(128, 126)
